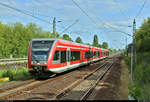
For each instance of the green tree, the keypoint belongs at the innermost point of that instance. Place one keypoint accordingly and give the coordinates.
(15, 37)
(99, 45)
(143, 36)
(66, 37)
(78, 40)
(95, 41)
(105, 45)
(87, 44)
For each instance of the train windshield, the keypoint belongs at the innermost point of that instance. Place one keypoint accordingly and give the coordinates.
(40, 51)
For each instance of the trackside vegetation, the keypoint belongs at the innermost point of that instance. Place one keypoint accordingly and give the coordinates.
(141, 71)
(141, 76)
(16, 74)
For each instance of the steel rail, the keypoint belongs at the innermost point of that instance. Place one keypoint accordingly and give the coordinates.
(15, 85)
(13, 59)
(13, 62)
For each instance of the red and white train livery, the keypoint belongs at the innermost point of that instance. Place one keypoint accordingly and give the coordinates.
(56, 56)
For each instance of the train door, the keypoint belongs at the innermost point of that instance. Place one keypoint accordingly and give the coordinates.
(68, 56)
(82, 55)
(91, 56)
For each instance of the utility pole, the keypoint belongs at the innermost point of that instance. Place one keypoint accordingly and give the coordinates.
(126, 47)
(134, 39)
(133, 52)
(131, 63)
(54, 27)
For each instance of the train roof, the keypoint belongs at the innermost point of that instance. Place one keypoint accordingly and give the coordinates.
(35, 39)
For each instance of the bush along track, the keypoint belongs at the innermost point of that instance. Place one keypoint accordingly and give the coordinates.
(140, 89)
(15, 74)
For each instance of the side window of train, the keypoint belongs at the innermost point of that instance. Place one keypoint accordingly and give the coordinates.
(91, 54)
(101, 53)
(63, 56)
(94, 54)
(88, 54)
(75, 55)
(85, 55)
(98, 54)
(68, 56)
(56, 58)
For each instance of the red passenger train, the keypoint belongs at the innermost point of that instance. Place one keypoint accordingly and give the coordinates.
(49, 56)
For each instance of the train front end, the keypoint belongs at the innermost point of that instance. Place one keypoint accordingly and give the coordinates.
(38, 55)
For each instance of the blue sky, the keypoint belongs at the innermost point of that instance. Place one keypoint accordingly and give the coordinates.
(116, 13)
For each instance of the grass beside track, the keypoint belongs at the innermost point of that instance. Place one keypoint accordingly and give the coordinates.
(141, 76)
(15, 74)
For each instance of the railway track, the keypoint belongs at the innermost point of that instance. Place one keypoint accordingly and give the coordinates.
(13, 65)
(14, 89)
(12, 85)
(81, 89)
(88, 92)
(8, 92)
(12, 61)
(27, 91)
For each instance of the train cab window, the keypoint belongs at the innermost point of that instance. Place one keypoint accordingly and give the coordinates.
(75, 55)
(63, 56)
(56, 58)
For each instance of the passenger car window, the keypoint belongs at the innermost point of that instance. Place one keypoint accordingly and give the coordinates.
(75, 55)
(63, 56)
(88, 54)
(56, 58)
(56, 55)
